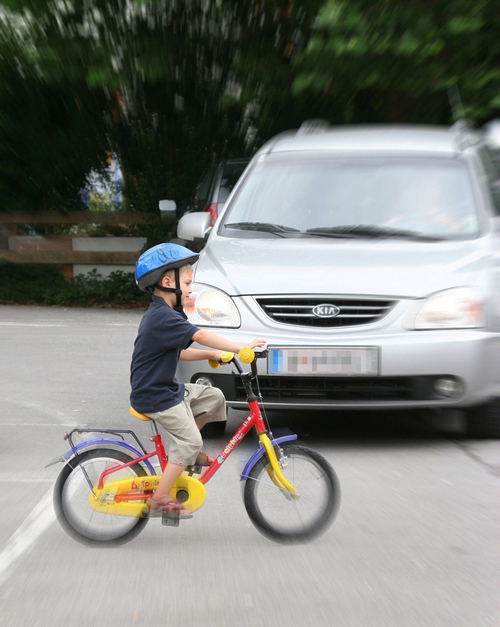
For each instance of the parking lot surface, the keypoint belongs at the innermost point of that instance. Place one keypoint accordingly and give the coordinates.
(415, 542)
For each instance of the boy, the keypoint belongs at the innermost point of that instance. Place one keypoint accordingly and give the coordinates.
(163, 338)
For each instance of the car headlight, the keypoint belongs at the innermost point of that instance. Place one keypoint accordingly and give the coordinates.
(457, 308)
(208, 306)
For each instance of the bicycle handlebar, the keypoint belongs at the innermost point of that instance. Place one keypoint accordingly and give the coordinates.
(246, 356)
(225, 357)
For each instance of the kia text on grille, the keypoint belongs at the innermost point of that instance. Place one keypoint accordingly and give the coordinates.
(326, 311)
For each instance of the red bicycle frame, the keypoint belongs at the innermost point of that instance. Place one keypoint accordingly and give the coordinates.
(254, 420)
(159, 450)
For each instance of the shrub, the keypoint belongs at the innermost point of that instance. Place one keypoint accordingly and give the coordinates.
(46, 285)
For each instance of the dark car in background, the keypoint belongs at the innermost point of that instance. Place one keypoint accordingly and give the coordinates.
(214, 187)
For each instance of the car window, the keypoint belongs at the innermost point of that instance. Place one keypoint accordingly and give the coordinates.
(431, 196)
(203, 191)
(230, 176)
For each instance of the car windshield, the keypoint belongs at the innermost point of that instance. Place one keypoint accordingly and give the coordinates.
(231, 174)
(429, 198)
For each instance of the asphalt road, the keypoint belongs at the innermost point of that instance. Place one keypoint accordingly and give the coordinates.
(416, 541)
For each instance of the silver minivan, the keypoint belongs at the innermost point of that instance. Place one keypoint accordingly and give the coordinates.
(369, 260)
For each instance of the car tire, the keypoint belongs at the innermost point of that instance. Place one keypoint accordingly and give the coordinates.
(483, 421)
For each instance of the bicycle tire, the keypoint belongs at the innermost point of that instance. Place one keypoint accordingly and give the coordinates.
(73, 512)
(278, 516)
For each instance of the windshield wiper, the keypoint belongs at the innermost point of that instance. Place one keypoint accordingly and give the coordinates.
(366, 230)
(266, 227)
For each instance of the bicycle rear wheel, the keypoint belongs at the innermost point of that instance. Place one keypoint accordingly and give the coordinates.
(279, 516)
(71, 494)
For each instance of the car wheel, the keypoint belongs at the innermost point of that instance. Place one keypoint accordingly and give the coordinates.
(214, 429)
(484, 421)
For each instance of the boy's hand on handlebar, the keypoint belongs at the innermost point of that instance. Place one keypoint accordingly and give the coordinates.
(217, 356)
(255, 344)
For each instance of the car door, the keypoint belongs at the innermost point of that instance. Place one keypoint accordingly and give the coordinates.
(491, 167)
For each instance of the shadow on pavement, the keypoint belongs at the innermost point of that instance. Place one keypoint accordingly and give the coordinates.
(375, 427)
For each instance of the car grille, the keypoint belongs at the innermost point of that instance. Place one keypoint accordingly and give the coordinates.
(299, 311)
(332, 389)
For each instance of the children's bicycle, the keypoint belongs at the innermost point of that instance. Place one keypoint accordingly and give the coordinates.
(291, 493)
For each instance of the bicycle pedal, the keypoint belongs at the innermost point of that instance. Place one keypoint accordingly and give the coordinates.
(193, 470)
(170, 520)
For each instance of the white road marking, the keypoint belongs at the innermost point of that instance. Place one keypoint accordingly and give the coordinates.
(23, 539)
(54, 413)
(30, 324)
(37, 424)
(247, 600)
(5, 477)
(93, 326)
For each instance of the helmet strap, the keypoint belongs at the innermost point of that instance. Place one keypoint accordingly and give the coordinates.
(173, 290)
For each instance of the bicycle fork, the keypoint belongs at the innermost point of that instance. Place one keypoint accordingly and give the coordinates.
(275, 473)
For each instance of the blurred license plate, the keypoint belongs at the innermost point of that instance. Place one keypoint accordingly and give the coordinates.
(336, 362)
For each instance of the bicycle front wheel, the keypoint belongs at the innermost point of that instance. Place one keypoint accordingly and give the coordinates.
(280, 516)
(71, 495)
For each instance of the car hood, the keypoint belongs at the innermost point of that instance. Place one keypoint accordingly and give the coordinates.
(380, 267)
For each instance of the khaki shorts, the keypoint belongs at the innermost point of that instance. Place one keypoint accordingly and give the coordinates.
(201, 404)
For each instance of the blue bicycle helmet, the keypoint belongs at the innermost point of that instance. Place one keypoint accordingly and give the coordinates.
(153, 263)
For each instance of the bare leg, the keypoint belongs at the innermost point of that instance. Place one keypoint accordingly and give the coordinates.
(161, 502)
(170, 476)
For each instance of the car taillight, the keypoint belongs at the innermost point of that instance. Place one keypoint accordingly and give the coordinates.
(212, 210)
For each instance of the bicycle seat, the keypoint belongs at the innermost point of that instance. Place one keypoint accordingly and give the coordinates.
(136, 414)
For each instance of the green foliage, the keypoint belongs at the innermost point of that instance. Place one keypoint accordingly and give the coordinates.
(46, 285)
(155, 81)
(170, 86)
(50, 135)
(393, 61)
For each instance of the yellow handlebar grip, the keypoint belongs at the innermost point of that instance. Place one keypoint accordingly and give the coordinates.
(246, 355)
(213, 363)
(226, 356)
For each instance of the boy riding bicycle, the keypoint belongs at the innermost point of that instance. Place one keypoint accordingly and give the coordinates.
(163, 339)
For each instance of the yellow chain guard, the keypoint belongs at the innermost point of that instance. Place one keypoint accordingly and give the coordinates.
(194, 488)
(105, 504)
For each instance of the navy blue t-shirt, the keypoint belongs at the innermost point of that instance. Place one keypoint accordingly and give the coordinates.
(163, 333)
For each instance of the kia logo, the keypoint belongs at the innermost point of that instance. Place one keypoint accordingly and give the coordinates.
(326, 311)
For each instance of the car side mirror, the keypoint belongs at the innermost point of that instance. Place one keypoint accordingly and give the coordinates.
(168, 210)
(195, 227)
